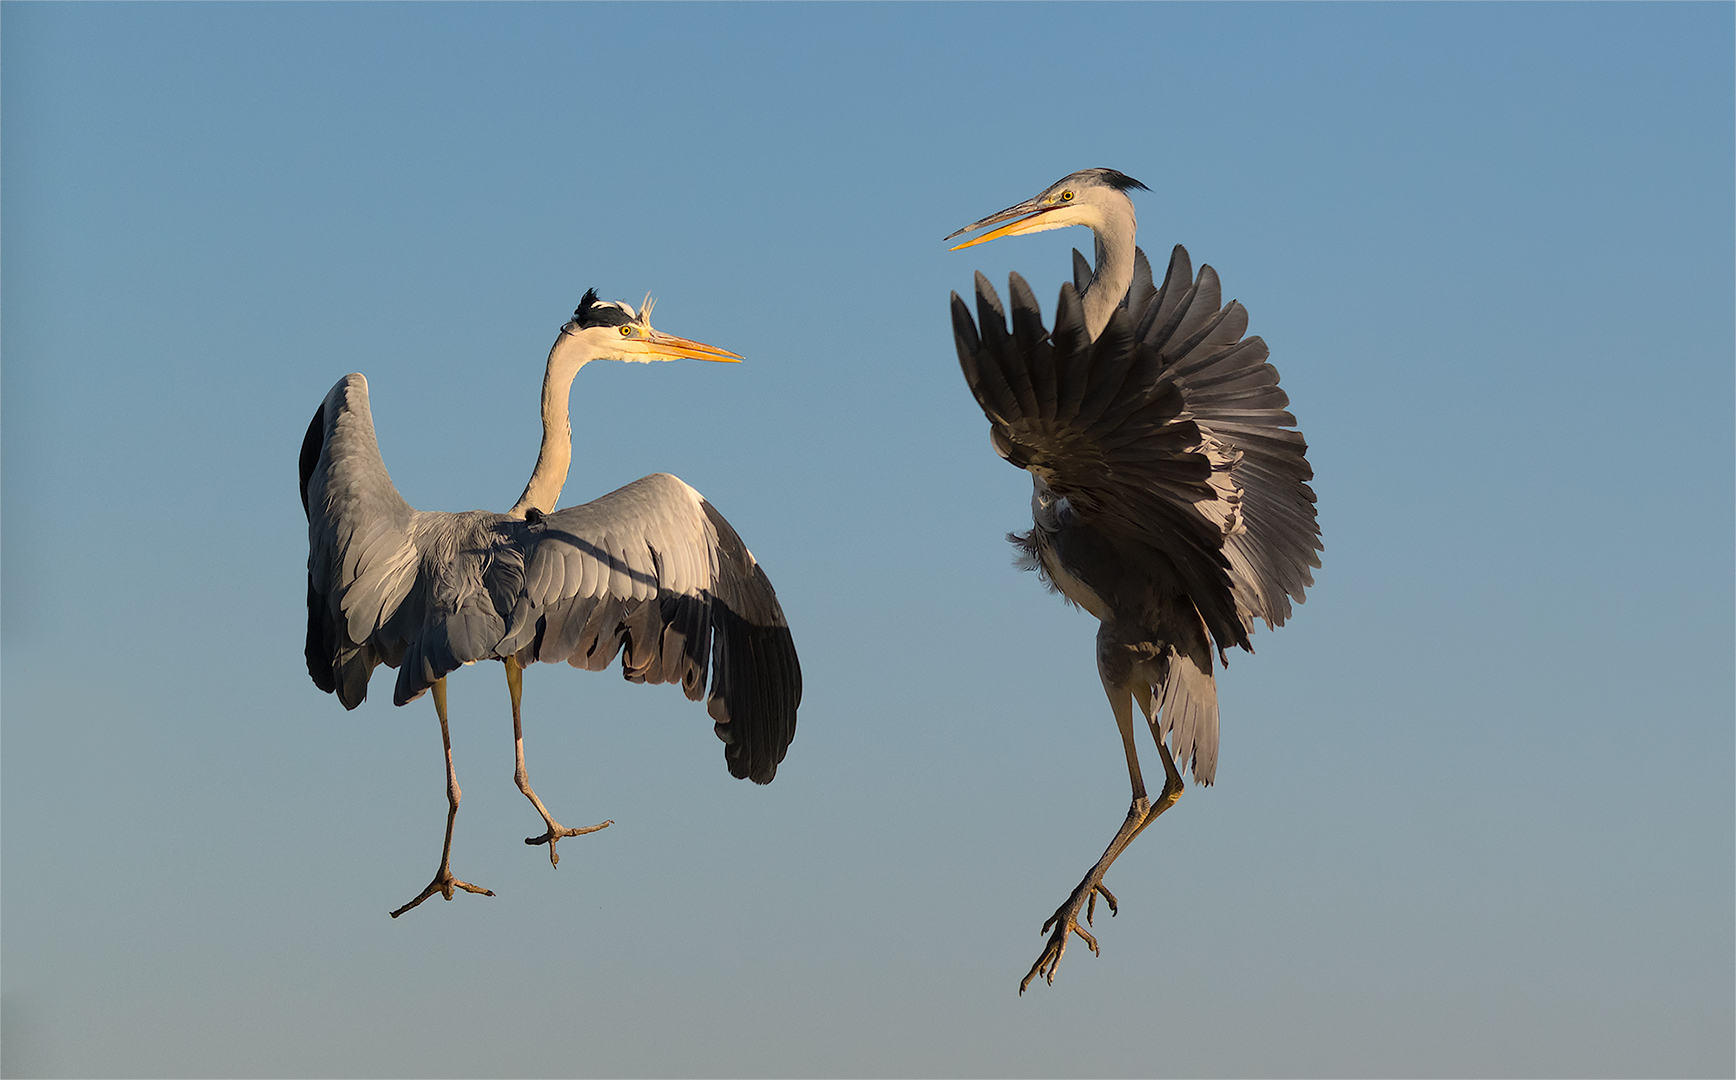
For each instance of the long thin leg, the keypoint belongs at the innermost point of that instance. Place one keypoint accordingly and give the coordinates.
(1172, 785)
(556, 831)
(444, 882)
(1172, 789)
(1065, 921)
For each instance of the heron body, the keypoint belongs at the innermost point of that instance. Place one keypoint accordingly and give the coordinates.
(1170, 488)
(650, 572)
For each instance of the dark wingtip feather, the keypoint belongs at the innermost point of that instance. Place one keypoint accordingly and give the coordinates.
(311, 445)
(1069, 331)
(1081, 271)
(320, 646)
(991, 316)
(756, 685)
(964, 333)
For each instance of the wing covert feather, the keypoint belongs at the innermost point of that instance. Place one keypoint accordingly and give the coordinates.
(654, 570)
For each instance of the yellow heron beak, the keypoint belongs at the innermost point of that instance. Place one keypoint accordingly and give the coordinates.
(656, 345)
(1034, 212)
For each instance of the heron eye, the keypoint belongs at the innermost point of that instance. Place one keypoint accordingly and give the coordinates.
(626, 331)
(1066, 196)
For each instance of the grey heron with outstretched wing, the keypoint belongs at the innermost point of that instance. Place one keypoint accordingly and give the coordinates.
(1170, 493)
(651, 572)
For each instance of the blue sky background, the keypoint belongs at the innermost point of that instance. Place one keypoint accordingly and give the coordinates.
(1475, 803)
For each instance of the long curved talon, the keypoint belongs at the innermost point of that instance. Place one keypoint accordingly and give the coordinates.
(557, 832)
(1066, 923)
(1091, 905)
(443, 883)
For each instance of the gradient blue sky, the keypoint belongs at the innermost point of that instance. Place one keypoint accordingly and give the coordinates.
(1475, 803)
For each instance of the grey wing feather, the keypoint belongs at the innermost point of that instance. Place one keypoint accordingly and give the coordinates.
(652, 571)
(1232, 393)
(361, 559)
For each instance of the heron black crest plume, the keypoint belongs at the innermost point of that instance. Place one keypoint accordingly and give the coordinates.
(593, 312)
(1120, 181)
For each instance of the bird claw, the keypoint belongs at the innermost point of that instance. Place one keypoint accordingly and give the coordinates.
(444, 884)
(557, 832)
(1065, 922)
(1091, 905)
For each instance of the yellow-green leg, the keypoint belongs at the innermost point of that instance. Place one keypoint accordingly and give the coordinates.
(444, 883)
(556, 831)
(1142, 812)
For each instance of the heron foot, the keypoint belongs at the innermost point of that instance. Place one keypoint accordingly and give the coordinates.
(1065, 923)
(557, 831)
(444, 883)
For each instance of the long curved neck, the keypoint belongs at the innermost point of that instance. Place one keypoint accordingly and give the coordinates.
(1110, 279)
(556, 454)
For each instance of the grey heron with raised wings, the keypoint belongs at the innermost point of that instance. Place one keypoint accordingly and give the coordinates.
(1170, 493)
(651, 571)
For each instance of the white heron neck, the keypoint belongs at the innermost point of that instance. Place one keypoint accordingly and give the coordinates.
(1114, 270)
(556, 454)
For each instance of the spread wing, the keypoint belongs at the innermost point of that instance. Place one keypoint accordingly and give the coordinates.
(1106, 426)
(1232, 393)
(652, 571)
(361, 561)
(388, 584)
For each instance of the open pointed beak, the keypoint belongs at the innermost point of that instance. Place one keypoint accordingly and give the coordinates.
(1032, 210)
(669, 347)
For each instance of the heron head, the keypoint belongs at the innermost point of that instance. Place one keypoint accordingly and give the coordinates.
(613, 330)
(1090, 197)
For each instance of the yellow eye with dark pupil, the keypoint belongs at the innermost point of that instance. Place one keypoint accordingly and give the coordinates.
(626, 331)
(1066, 196)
